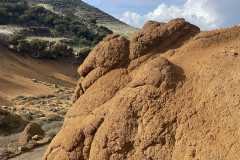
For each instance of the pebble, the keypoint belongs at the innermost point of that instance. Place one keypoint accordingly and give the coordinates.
(34, 80)
(233, 53)
(223, 51)
(235, 47)
(4, 107)
(40, 114)
(35, 137)
(54, 110)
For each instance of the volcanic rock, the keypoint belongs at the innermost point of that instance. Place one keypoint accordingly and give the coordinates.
(133, 101)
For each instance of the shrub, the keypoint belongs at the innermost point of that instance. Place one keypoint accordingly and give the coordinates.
(53, 132)
(53, 125)
(84, 42)
(51, 129)
(53, 117)
(38, 45)
(61, 90)
(5, 140)
(84, 53)
(24, 45)
(62, 112)
(46, 96)
(16, 38)
(60, 49)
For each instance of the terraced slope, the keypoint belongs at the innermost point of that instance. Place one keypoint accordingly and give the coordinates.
(84, 10)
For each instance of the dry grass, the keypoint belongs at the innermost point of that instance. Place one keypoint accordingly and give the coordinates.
(5, 140)
(53, 128)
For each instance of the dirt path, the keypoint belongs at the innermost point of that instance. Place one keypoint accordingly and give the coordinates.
(35, 154)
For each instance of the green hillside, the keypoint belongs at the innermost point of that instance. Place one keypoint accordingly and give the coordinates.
(41, 22)
(84, 10)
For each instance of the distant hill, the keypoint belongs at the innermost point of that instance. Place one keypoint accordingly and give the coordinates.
(84, 10)
(25, 25)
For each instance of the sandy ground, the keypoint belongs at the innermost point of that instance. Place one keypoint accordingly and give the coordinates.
(17, 72)
(35, 154)
(16, 78)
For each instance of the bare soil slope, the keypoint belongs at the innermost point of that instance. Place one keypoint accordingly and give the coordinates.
(17, 72)
(169, 92)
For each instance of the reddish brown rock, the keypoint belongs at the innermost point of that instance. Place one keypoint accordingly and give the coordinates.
(30, 130)
(134, 101)
(160, 37)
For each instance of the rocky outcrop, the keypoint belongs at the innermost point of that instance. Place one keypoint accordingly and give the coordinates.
(131, 102)
(159, 37)
(29, 132)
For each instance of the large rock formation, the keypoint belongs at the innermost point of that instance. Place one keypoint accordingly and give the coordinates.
(131, 102)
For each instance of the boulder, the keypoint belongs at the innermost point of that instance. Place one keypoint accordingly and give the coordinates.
(30, 130)
(233, 53)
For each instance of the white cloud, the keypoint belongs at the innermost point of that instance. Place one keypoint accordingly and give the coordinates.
(133, 19)
(198, 12)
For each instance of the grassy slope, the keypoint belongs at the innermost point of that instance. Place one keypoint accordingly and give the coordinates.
(84, 10)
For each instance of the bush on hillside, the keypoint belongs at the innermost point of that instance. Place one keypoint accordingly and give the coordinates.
(83, 54)
(38, 45)
(24, 45)
(60, 49)
(41, 48)
(85, 32)
(16, 38)
(85, 43)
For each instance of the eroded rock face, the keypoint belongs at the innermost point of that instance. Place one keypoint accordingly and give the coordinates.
(156, 36)
(126, 106)
(111, 53)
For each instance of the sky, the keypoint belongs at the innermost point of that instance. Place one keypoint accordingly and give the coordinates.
(206, 14)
